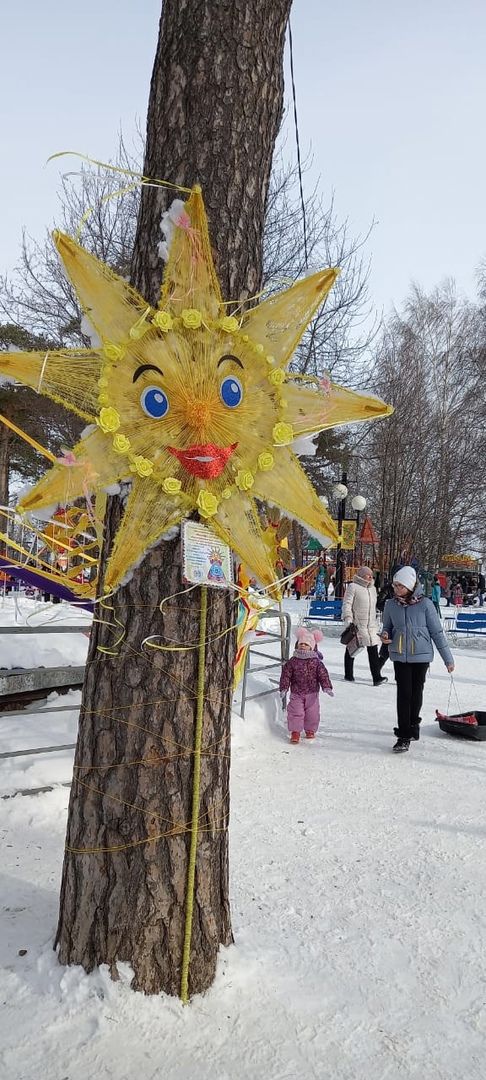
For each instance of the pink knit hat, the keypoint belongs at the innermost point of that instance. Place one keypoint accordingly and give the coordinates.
(308, 637)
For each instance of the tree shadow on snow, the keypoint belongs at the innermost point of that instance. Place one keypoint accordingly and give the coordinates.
(348, 742)
(29, 916)
(439, 826)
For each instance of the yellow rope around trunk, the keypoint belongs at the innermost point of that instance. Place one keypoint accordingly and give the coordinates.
(191, 869)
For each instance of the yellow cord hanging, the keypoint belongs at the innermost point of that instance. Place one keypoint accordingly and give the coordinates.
(123, 172)
(191, 869)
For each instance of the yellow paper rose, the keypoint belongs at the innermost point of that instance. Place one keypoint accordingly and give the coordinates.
(121, 444)
(191, 318)
(283, 434)
(113, 352)
(103, 382)
(207, 504)
(266, 461)
(171, 486)
(103, 398)
(226, 493)
(163, 321)
(245, 479)
(276, 376)
(229, 324)
(270, 359)
(109, 419)
(142, 466)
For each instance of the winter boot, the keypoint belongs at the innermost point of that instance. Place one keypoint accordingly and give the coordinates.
(310, 734)
(295, 737)
(378, 682)
(416, 729)
(401, 746)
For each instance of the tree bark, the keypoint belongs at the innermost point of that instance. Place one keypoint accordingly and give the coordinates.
(214, 111)
(297, 543)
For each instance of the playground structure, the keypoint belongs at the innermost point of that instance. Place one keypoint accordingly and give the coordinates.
(58, 557)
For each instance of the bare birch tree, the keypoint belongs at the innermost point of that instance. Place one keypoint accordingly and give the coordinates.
(425, 463)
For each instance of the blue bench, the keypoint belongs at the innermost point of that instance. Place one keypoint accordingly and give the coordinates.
(324, 610)
(470, 622)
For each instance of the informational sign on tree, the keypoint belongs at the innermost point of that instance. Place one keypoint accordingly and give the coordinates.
(206, 559)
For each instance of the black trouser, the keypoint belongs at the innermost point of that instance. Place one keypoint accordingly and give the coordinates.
(373, 661)
(410, 680)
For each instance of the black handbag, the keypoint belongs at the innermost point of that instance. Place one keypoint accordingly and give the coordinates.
(348, 634)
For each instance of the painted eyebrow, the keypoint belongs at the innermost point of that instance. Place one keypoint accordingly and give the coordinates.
(145, 367)
(229, 356)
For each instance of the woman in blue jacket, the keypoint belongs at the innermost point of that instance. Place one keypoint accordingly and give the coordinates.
(410, 625)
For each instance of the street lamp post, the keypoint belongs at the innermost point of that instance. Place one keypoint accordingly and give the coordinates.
(358, 504)
(340, 492)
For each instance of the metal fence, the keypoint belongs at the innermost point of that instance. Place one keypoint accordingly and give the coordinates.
(37, 683)
(254, 650)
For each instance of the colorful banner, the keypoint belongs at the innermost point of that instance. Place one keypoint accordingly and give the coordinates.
(348, 535)
(468, 561)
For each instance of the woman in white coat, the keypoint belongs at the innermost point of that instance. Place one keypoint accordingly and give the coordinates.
(359, 607)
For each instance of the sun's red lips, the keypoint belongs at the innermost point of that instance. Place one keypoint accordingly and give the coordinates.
(206, 461)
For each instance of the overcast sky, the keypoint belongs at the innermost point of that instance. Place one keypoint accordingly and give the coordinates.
(391, 100)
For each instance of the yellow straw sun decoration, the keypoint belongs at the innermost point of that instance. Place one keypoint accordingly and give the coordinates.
(194, 407)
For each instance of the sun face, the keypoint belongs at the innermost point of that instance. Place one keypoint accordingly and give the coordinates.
(203, 411)
(193, 406)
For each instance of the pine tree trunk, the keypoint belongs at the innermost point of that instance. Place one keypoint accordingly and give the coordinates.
(214, 111)
(297, 542)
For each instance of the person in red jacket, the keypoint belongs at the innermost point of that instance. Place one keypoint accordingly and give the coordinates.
(304, 674)
(298, 585)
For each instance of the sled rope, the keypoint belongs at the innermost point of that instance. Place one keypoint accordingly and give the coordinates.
(196, 785)
(451, 689)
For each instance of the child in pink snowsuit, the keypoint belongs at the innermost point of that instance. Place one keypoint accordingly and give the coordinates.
(304, 674)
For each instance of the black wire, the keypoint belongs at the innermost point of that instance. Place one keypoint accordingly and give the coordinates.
(296, 124)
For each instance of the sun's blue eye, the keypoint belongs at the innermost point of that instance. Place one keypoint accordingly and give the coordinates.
(154, 402)
(231, 392)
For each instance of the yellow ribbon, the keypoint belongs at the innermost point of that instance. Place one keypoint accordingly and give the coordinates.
(196, 783)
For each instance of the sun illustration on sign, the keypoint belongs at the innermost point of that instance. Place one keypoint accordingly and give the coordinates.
(194, 406)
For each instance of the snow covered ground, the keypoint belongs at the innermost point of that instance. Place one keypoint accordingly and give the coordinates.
(42, 727)
(358, 883)
(43, 650)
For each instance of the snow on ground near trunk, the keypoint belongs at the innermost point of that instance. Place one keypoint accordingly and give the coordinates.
(357, 883)
(43, 650)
